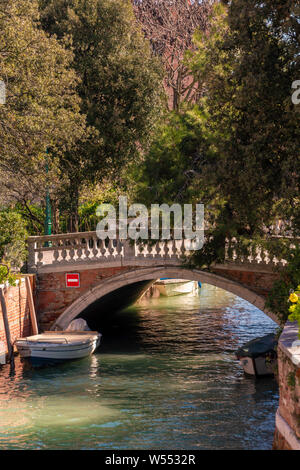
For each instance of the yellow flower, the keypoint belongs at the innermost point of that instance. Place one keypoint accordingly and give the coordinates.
(292, 308)
(293, 298)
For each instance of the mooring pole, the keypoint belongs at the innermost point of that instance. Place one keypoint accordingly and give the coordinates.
(34, 325)
(7, 330)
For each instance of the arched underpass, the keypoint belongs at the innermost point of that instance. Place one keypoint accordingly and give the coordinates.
(122, 289)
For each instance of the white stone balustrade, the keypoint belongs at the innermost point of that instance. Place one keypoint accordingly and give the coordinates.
(78, 249)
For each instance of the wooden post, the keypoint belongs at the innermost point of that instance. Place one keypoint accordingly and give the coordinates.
(34, 326)
(6, 327)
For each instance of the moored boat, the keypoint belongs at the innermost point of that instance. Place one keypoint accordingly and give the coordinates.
(58, 346)
(171, 287)
(258, 357)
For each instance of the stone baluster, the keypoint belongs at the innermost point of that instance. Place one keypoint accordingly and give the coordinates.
(268, 259)
(95, 249)
(226, 252)
(102, 248)
(55, 246)
(140, 249)
(40, 253)
(71, 249)
(178, 244)
(64, 251)
(147, 250)
(157, 250)
(173, 249)
(263, 256)
(251, 254)
(32, 244)
(79, 251)
(234, 250)
(152, 250)
(129, 250)
(86, 248)
(182, 248)
(165, 249)
(119, 248)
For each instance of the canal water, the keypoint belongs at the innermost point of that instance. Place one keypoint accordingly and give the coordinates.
(165, 377)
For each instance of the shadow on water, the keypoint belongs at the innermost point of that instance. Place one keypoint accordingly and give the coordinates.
(165, 376)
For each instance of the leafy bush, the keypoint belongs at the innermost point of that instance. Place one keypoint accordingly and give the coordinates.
(294, 309)
(6, 276)
(13, 236)
(278, 299)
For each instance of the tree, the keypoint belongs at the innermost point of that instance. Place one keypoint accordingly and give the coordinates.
(120, 88)
(42, 107)
(13, 236)
(169, 25)
(249, 61)
(239, 154)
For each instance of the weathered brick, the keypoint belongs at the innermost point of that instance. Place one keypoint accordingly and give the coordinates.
(17, 312)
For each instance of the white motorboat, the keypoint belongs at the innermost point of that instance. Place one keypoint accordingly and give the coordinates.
(58, 346)
(258, 357)
(171, 287)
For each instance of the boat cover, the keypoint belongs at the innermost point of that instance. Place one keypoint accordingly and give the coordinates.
(258, 347)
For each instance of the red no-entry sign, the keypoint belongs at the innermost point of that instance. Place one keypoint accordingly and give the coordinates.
(72, 280)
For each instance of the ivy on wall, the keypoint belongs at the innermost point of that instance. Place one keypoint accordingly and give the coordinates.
(282, 298)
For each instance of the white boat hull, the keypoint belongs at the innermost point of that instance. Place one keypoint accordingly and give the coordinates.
(172, 287)
(58, 346)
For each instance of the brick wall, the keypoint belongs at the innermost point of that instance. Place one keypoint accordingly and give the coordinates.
(17, 311)
(258, 281)
(53, 297)
(287, 434)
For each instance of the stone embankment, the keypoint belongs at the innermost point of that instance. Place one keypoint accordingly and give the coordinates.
(287, 432)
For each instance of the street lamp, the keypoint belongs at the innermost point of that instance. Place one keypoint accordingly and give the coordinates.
(48, 221)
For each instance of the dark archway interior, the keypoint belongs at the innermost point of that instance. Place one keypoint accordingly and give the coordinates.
(113, 302)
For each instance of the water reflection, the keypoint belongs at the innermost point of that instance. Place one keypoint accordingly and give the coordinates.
(164, 377)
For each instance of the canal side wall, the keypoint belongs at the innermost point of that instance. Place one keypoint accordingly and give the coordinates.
(287, 431)
(17, 310)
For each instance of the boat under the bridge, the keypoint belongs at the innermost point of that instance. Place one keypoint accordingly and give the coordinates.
(171, 287)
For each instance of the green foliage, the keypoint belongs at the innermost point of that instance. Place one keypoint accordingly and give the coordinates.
(291, 380)
(277, 300)
(169, 168)
(249, 65)
(7, 276)
(42, 107)
(13, 236)
(236, 151)
(294, 308)
(120, 87)
(33, 216)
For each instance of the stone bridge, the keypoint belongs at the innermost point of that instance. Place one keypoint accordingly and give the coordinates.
(105, 268)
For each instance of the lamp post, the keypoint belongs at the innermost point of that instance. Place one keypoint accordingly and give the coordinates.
(48, 221)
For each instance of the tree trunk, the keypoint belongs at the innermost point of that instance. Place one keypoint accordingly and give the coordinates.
(73, 220)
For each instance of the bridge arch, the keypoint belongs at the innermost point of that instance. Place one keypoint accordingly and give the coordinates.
(134, 275)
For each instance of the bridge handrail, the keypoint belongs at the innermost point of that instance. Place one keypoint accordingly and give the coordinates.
(85, 247)
(46, 238)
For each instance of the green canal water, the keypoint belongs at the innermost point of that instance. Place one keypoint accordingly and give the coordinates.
(165, 377)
